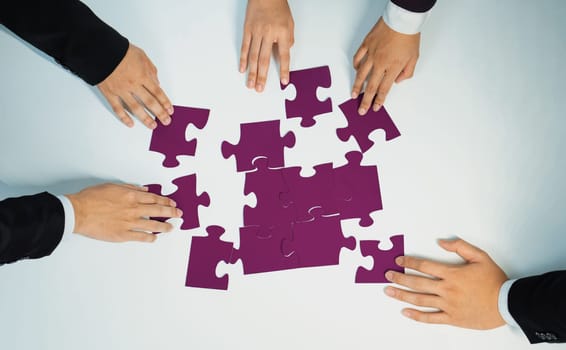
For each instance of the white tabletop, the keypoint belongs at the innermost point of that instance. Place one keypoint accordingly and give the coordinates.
(480, 157)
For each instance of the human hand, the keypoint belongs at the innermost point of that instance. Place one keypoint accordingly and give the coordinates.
(133, 86)
(268, 23)
(118, 213)
(465, 295)
(384, 57)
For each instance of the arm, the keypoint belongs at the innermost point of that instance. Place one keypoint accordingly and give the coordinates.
(74, 36)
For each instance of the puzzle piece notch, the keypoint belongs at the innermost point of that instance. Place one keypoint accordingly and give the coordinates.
(171, 140)
(205, 255)
(261, 249)
(361, 126)
(266, 184)
(186, 198)
(318, 242)
(383, 260)
(306, 104)
(362, 185)
(260, 139)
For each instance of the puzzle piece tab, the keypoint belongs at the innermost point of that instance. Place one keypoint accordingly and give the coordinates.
(261, 139)
(171, 141)
(360, 126)
(318, 242)
(383, 260)
(306, 105)
(205, 255)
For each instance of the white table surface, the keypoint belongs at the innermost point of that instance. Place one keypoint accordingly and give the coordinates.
(480, 157)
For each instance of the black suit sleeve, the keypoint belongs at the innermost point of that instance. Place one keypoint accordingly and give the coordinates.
(415, 5)
(31, 227)
(68, 31)
(538, 305)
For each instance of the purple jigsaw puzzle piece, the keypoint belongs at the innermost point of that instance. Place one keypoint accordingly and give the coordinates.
(186, 198)
(318, 242)
(362, 184)
(319, 190)
(306, 104)
(383, 260)
(267, 185)
(206, 253)
(263, 253)
(261, 139)
(360, 126)
(171, 140)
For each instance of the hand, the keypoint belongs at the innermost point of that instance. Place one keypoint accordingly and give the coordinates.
(384, 57)
(268, 23)
(118, 213)
(134, 86)
(465, 295)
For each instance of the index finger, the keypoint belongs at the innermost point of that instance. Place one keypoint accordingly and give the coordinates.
(422, 265)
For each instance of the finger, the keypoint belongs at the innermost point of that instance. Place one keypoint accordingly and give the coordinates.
(422, 265)
(361, 76)
(384, 88)
(152, 104)
(160, 95)
(417, 299)
(434, 317)
(263, 63)
(119, 110)
(151, 198)
(359, 56)
(152, 226)
(371, 90)
(284, 61)
(155, 210)
(417, 283)
(246, 41)
(253, 59)
(136, 236)
(468, 252)
(137, 109)
(134, 187)
(408, 71)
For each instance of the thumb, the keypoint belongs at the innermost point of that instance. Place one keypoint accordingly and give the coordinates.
(468, 252)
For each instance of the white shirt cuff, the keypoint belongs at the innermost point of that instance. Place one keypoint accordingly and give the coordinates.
(404, 21)
(69, 218)
(502, 303)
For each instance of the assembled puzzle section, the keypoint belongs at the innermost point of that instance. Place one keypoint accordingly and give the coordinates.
(171, 140)
(306, 104)
(383, 260)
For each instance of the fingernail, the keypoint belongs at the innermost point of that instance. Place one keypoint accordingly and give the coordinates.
(376, 108)
(406, 313)
(179, 212)
(167, 121)
(389, 275)
(354, 94)
(259, 87)
(399, 260)
(170, 110)
(251, 83)
(285, 81)
(173, 203)
(153, 125)
(390, 291)
(242, 69)
(362, 111)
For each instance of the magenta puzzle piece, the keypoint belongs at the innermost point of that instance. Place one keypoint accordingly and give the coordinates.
(267, 185)
(206, 253)
(261, 139)
(318, 242)
(360, 126)
(306, 104)
(187, 200)
(383, 260)
(362, 184)
(171, 140)
(263, 253)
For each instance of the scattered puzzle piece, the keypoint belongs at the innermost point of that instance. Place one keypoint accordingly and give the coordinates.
(261, 139)
(306, 104)
(262, 251)
(383, 260)
(205, 255)
(360, 126)
(318, 242)
(171, 140)
(362, 184)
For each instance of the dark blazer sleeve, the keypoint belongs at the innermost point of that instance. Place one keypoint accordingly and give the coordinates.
(68, 31)
(538, 305)
(415, 5)
(31, 227)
